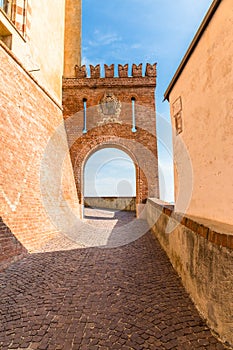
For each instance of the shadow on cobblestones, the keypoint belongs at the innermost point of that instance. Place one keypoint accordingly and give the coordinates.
(114, 228)
(123, 298)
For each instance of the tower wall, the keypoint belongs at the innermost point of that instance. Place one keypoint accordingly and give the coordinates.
(72, 45)
(98, 112)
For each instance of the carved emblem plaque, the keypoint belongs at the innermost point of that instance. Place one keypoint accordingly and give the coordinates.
(109, 109)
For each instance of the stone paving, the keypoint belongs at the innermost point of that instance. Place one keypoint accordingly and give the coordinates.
(128, 297)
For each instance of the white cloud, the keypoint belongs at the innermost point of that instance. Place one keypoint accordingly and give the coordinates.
(101, 39)
(136, 46)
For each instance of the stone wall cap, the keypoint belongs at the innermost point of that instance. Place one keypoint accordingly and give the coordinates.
(161, 203)
(215, 232)
(213, 225)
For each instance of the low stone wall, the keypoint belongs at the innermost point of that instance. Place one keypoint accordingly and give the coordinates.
(118, 203)
(201, 252)
(11, 249)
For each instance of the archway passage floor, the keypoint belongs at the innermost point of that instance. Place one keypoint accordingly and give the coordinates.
(125, 298)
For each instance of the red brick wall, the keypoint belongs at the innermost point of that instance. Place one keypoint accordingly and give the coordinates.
(142, 88)
(114, 135)
(29, 118)
(11, 249)
(103, 132)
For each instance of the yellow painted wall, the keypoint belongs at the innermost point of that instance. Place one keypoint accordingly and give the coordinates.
(43, 53)
(72, 49)
(206, 86)
(47, 42)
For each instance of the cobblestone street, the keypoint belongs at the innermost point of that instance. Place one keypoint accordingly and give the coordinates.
(127, 297)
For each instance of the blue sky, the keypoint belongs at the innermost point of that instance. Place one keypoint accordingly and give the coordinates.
(109, 172)
(136, 31)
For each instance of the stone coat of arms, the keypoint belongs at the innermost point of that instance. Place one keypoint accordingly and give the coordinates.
(109, 109)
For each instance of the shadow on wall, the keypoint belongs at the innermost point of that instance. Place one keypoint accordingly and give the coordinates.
(11, 249)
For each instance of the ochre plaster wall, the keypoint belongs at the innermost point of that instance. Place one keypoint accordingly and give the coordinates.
(205, 87)
(47, 42)
(29, 198)
(42, 50)
(72, 49)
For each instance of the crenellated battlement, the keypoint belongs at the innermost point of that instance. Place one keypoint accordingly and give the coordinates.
(123, 71)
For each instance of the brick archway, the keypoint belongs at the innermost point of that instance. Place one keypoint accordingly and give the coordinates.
(136, 146)
(113, 112)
